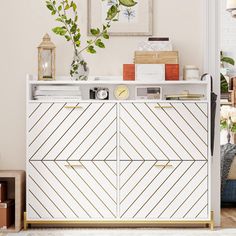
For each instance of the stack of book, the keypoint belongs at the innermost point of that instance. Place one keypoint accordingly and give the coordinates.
(159, 64)
(184, 96)
(57, 92)
(7, 208)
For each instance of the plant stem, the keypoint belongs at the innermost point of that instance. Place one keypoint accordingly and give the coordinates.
(65, 24)
(72, 39)
(99, 36)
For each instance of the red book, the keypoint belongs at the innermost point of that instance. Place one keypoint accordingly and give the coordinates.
(172, 71)
(129, 72)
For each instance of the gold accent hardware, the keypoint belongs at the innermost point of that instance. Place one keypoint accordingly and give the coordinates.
(73, 165)
(164, 165)
(25, 221)
(162, 107)
(212, 224)
(121, 223)
(73, 107)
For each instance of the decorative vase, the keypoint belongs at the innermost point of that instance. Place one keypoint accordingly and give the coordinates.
(79, 69)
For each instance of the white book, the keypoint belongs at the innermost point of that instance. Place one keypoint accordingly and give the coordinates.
(43, 98)
(58, 87)
(150, 72)
(57, 93)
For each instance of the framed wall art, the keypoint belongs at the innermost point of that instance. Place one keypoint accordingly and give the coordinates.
(135, 21)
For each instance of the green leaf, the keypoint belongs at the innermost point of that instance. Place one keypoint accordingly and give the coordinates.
(112, 12)
(224, 84)
(60, 8)
(95, 32)
(68, 38)
(223, 124)
(74, 6)
(50, 7)
(67, 7)
(228, 60)
(90, 41)
(59, 30)
(99, 43)
(105, 35)
(91, 49)
(69, 21)
(77, 37)
(73, 29)
(59, 19)
(77, 43)
(76, 18)
(233, 129)
(128, 3)
(63, 17)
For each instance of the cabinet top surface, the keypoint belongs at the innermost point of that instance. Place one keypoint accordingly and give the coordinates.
(116, 82)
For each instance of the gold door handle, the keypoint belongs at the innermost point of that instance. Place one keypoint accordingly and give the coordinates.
(73, 165)
(73, 107)
(162, 107)
(164, 165)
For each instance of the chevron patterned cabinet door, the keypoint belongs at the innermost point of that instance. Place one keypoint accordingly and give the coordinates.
(72, 131)
(165, 131)
(72, 190)
(165, 190)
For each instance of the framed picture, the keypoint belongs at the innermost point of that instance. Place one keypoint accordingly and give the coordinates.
(135, 21)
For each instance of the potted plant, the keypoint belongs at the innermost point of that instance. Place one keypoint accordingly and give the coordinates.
(66, 13)
(223, 80)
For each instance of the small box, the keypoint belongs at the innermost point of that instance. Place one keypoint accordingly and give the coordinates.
(128, 72)
(156, 57)
(150, 72)
(3, 191)
(172, 71)
(7, 214)
(148, 93)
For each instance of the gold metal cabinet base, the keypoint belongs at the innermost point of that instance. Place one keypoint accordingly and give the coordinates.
(121, 223)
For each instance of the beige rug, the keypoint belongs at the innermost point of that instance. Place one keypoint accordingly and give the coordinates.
(126, 232)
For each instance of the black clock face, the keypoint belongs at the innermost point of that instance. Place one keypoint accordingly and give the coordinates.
(102, 94)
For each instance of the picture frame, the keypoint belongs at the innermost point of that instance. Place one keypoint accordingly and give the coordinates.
(136, 21)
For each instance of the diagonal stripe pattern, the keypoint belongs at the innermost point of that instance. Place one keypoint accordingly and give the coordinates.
(74, 171)
(175, 191)
(58, 133)
(164, 134)
(62, 190)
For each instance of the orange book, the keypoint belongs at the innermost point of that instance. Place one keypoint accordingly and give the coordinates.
(172, 71)
(129, 72)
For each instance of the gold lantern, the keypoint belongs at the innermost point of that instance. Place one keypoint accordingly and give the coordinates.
(46, 59)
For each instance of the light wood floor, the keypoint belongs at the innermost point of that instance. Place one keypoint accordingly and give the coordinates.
(228, 217)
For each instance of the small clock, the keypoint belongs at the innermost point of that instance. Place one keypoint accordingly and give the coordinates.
(121, 92)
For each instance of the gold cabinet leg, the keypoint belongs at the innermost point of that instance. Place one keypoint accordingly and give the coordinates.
(212, 224)
(25, 221)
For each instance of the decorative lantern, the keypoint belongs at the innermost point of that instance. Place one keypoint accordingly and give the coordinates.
(46, 59)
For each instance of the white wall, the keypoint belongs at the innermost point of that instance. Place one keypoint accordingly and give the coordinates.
(24, 22)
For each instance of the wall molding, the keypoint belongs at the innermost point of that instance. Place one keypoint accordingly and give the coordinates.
(212, 65)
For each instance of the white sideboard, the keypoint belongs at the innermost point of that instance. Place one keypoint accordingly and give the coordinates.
(132, 162)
